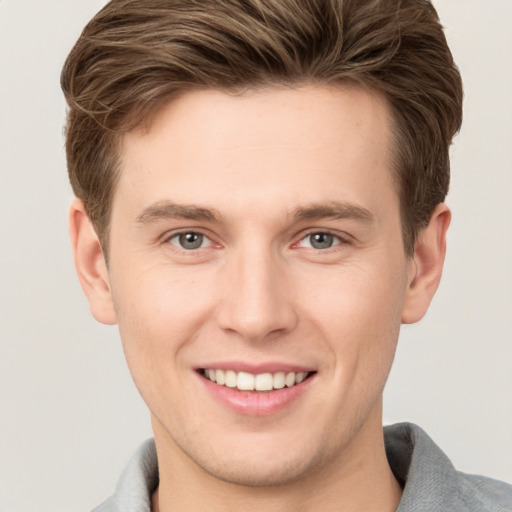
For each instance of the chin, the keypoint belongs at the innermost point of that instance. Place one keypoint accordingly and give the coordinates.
(252, 472)
(259, 461)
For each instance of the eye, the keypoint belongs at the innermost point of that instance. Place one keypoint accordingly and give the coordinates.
(320, 240)
(190, 240)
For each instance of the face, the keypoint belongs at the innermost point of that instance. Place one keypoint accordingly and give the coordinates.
(256, 242)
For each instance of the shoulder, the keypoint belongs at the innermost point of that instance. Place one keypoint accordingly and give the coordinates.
(431, 483)
(477, 492)
(136, 484)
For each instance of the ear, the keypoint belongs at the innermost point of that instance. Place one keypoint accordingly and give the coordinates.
(426, 265)
(90, 264)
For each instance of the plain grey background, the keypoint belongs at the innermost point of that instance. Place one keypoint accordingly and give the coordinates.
(70, 415)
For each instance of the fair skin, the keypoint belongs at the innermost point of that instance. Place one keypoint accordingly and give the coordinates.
(261, 233)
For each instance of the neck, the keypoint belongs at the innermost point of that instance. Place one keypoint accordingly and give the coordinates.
(360, 480)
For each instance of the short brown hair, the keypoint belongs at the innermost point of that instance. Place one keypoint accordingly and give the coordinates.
(134, 55)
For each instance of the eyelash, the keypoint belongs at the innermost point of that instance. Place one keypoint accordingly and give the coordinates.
(189, 232)
(340, 240)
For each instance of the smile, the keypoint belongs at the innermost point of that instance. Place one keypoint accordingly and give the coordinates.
(244, 381)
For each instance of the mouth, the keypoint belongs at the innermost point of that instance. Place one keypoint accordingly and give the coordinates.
(249, 382)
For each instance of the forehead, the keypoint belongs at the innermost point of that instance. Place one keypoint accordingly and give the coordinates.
(283, 111)
(266, 145)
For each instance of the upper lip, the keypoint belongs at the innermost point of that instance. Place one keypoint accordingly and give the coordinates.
(256, 368)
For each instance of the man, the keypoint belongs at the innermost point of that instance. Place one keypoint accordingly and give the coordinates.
(260, 190)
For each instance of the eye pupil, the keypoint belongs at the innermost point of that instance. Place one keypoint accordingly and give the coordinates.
(321, 240)
(191, 240)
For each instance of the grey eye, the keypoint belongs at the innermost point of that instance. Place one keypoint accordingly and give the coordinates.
(189, 241)
(321, 240)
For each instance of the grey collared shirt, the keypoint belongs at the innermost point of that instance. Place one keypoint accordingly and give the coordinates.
(429, 480)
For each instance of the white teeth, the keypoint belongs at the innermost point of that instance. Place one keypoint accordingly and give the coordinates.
(245, 381)
(264, 382)
(279, 380)
(248, 382)
(231, 379)
(220, 378)
(289, 380)
(300, 377)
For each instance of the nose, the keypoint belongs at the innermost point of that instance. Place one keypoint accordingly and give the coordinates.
(257, 298)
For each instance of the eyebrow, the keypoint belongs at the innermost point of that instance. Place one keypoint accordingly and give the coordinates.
(169, 210)
(331, 210)
(334, 210)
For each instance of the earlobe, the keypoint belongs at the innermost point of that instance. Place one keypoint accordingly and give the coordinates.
(90, 264)
(426, 265)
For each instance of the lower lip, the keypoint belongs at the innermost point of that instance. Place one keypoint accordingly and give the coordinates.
(256, 403)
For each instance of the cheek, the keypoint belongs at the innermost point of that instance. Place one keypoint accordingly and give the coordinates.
(378, 312)
(359, 311)
(159, 312)
(160, 298)
(361, 299)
